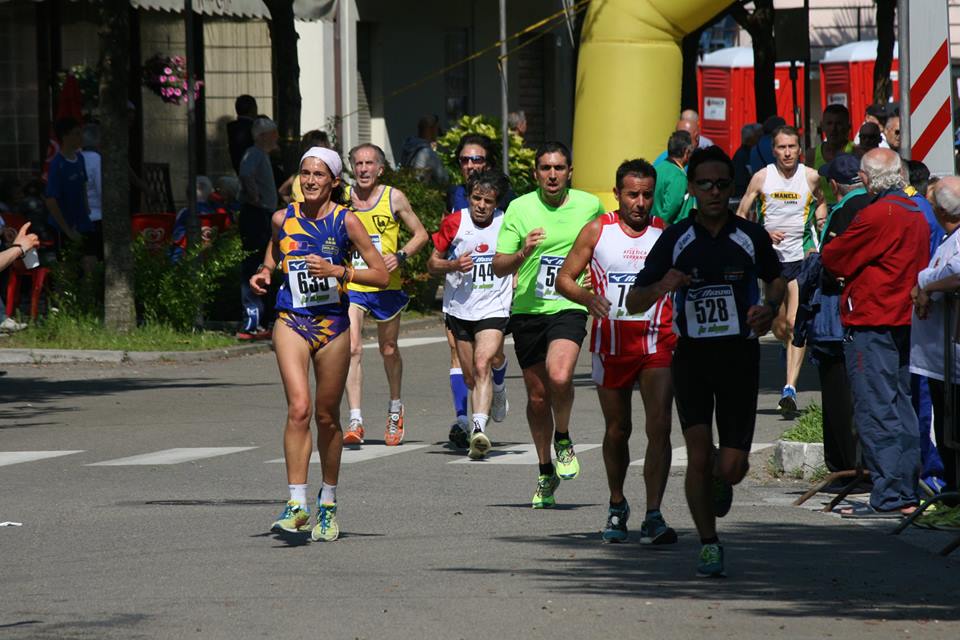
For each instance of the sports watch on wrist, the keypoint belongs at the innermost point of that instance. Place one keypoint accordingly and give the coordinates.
(401, 257)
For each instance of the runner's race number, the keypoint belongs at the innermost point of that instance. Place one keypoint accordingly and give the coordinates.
(358, 261)
(483, 277)
(547, 277)
(307, 290)
(712, 312)
(618, 286)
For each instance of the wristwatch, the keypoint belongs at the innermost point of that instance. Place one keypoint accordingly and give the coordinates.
(401, 256)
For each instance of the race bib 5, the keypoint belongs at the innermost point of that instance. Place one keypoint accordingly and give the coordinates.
(547, 277)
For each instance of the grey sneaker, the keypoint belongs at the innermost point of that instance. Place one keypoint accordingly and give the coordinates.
(654, 530)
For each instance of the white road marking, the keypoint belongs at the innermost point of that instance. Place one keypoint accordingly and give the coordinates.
(363, 453)
(409, 342)
(16, 457)
(171, 456)
(679, 458)
(515, 454)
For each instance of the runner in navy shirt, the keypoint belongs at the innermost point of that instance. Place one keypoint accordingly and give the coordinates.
(711, 262)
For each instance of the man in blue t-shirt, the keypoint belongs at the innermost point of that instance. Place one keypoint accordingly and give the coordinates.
(66, 192)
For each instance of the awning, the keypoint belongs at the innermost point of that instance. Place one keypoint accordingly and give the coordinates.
(308, 10)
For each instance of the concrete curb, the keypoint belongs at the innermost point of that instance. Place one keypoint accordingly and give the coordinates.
(798, 459)
(91, 356)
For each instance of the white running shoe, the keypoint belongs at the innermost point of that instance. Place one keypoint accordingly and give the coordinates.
(479, 445)
(10, 325)
(500, 406)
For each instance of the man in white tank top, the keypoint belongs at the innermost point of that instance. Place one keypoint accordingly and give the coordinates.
(785, 197)
(627, 349)
(476, 303)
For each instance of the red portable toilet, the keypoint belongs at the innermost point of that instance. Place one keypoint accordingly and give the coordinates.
(846, 77)
(727, 99)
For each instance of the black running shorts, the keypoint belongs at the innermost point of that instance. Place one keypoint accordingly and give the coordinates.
(533, 333)
(466, 330)
(721, 373)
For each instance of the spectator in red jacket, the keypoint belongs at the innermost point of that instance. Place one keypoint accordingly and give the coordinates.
(879, 257)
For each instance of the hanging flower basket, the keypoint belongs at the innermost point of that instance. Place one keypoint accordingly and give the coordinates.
(166, 76)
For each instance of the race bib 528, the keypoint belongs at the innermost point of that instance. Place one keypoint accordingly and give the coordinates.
(711, 312)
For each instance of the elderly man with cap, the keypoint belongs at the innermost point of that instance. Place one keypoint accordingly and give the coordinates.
(825, 335)
(310, 250)
(258, 197)
(879, 256)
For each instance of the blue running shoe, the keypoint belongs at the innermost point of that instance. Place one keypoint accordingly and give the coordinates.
(788, 401)
(654, 530)
(616, 529)
(710, 564)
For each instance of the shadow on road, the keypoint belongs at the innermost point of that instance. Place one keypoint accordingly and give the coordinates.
(785, 570)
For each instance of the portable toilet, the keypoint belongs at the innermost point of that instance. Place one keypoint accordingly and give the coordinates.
(846, 77)
(727, 98)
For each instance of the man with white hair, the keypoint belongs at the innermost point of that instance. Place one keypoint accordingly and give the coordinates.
(258, 196)
(926, 338)
(879, 256)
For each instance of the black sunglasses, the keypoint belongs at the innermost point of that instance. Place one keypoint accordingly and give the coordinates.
(473, 159)
(708, 185)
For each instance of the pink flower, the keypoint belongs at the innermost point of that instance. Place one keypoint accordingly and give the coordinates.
(167, 70)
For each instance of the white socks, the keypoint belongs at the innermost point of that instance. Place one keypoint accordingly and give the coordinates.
(328, 494)
(395, 406)
(355, 414)
(480, 421)
(298, 493)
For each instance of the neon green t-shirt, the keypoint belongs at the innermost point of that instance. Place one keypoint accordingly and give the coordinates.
(536, 280)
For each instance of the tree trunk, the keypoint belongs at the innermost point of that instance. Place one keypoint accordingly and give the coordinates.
(689, 95)
(882, 86)
(114, 31)
(759, 25)
(286, 73)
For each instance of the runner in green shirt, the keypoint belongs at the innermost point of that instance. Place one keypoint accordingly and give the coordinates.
(538, 231)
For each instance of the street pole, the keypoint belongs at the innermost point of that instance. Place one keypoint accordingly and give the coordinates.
(504, 113)
(193, 228)
(903, 37)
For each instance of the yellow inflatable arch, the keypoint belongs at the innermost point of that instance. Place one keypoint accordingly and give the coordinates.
(628, 83)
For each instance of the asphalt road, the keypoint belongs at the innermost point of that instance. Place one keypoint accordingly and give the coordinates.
(121, 537)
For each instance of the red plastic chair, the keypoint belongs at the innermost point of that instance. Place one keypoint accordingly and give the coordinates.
(155, 228)
(39, 277)
(212, 225)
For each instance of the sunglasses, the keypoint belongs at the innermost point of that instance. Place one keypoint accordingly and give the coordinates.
(473, 159)
(708, 185)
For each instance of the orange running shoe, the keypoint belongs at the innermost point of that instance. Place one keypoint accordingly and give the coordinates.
(354, 434)
(394, 433)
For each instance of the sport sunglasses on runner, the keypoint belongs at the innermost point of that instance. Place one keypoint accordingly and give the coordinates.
(708, 185)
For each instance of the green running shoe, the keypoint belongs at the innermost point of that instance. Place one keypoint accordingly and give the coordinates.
(616, 529)
(479, 445)
(710, 564)
(295, 517)
(327, 529)
(654, 530)
(568, 467)
(546, 485)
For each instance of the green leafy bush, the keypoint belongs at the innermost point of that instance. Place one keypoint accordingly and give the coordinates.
(808, 426)
(429, 203)
(75, 293)
(171, 294)
(521, 162)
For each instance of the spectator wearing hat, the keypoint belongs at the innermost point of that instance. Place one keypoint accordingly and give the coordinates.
(825, 337)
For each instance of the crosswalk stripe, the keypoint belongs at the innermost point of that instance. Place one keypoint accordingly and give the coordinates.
(408, 342)
(679, 458)
(171, 456)
(16, 457)
(351, 455)
(515, 454)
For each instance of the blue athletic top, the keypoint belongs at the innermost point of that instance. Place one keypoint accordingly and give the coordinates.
(299, 237)
(724, 272)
